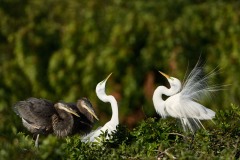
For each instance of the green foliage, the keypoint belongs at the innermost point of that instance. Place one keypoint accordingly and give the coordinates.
(60, 50)
(229, 120)
(151, 139)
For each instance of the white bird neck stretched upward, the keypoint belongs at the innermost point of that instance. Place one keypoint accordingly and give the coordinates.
(111, 125)
(108, 98)
(100, 91)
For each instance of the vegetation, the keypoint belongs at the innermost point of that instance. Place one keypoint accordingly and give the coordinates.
(151, 139)
(60, 50)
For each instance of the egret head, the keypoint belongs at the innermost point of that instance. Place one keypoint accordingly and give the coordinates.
(100, 88)
(86, 104)
(174, 82)
(64, 107)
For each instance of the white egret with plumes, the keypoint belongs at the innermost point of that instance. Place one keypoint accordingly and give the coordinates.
(183, 102)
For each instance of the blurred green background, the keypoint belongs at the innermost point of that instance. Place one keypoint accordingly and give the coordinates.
(60, 50)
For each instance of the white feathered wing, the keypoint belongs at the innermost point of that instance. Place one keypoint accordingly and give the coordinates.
(186, 106)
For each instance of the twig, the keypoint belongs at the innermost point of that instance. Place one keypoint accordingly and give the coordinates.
(160, 154)
(178, 134)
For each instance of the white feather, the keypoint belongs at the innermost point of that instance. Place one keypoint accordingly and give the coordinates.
(111, 125)
(183, 102)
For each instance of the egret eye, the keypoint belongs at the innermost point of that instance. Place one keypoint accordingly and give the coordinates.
(102, 82)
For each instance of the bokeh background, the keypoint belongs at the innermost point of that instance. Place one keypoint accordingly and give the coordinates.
(60, 50)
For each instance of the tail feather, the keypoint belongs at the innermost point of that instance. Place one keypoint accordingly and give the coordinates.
(191, 124)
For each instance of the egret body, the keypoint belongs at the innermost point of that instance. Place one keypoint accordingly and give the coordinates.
(183, 101)
(111, 125)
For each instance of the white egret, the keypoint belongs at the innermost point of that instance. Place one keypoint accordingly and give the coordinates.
(183, 101)
(111, 125)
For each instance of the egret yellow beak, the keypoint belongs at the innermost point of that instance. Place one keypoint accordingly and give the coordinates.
(165, 75)
(106, 78)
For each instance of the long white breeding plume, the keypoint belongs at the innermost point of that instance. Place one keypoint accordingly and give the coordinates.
(184, 101)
